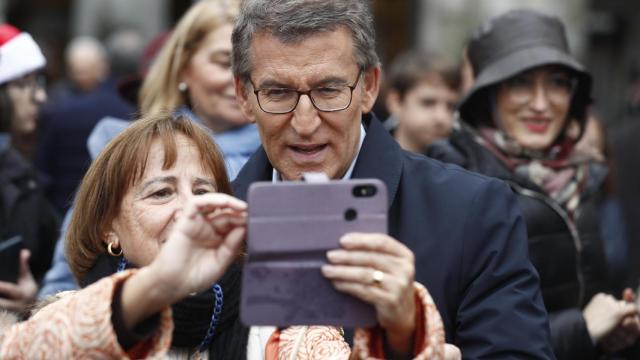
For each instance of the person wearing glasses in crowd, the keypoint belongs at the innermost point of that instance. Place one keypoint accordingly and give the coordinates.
(518, 123)
(307, 74)
(24, 210)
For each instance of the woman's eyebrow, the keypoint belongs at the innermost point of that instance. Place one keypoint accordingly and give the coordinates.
(158, 179)
(204, 181)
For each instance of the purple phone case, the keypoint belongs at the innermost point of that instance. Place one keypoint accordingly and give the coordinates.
(291, 227)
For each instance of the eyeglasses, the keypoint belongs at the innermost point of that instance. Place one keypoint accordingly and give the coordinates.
(558, 87)
(326, 98)
(33, 82)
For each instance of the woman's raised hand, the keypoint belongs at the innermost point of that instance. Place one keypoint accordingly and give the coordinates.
(205, 239)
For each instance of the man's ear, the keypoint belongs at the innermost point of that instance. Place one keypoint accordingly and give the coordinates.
(371, 88)
(242, 96)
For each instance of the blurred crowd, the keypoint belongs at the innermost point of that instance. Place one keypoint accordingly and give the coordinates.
(94, 168)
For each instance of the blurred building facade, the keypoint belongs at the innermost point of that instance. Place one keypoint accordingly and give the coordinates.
(602, 33)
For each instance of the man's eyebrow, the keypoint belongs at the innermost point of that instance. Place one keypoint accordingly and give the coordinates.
(159, 179)
(331, 80)
(271, 83)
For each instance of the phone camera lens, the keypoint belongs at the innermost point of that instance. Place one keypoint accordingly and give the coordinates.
(364, 191)
(350, 214)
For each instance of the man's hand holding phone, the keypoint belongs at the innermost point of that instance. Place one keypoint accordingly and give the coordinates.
(379, 270)
(20, 295)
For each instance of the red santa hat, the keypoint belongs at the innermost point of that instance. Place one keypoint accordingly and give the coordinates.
(19, 54)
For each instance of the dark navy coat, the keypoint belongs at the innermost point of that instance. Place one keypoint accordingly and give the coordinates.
(469, 241)
(62, 145)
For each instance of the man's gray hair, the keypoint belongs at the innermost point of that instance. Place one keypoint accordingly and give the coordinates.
(292, 21)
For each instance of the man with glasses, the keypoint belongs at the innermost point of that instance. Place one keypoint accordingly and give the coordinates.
(307, 73)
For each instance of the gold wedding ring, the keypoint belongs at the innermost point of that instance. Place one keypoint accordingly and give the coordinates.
(377, 277)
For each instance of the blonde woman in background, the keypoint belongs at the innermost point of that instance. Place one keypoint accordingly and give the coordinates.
(192, 75)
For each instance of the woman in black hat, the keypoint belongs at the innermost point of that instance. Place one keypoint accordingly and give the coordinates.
(519, 122)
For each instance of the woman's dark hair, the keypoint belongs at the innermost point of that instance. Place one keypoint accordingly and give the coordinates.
(6, 109)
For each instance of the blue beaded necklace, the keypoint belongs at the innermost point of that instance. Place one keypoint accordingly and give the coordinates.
(218, 294)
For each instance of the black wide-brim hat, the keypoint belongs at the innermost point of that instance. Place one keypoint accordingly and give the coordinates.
(515, 42)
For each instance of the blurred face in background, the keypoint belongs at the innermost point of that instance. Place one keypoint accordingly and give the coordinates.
(87, 67)
(424, 113)
(210, 84)
(27, 94)
(533, 106)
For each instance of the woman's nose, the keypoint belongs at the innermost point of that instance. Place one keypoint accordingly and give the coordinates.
(540, 100)
(39, 94)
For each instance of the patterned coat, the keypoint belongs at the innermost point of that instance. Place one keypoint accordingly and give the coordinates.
(79, 326)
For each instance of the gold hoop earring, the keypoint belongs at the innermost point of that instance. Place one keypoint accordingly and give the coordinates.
(110, 250)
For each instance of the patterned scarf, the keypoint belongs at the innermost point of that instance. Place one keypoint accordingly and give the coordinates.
(559, 171)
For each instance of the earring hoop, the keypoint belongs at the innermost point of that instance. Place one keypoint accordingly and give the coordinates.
(182, 86)
(110, 250)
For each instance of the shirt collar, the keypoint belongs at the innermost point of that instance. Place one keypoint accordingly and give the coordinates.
(276, 175)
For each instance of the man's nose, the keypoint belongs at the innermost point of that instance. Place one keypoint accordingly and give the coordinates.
(305, 120)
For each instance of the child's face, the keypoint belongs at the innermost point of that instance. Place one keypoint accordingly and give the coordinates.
(426, 112)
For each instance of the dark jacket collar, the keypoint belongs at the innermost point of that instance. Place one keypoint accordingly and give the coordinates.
(379, 158)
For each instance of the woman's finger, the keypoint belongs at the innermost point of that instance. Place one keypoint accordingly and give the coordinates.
(223, 223)
(230, 247)
(218, 200)
(207, 203)
(10, 290)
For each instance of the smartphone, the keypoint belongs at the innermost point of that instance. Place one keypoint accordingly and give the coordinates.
(291, 226)
(10, 258)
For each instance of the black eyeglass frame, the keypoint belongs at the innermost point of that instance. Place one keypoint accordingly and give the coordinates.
(308, 93)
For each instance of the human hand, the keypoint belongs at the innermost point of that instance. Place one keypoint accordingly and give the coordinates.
(604, 313)
(202, 244)
(379, 270)
(451, 352)
(19, 296)
(627, 332)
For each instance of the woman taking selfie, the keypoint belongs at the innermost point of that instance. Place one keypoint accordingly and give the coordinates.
(164, 209)
(520, 122)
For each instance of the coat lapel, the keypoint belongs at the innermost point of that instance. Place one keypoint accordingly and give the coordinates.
(380, 157)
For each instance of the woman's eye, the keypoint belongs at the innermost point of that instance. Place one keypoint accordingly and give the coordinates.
(518, 82)
(161, 193)
(560, 82)
(222, 63)
(201, 191)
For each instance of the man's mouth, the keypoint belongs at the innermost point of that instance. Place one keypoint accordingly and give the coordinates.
(308, 149)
